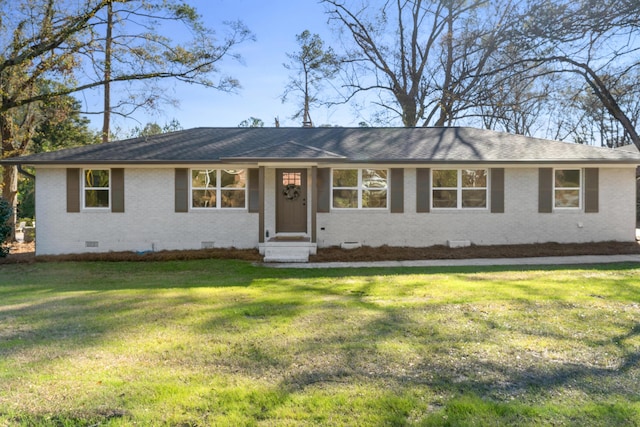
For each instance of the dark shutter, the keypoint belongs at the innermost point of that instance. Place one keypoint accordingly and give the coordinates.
(324, 189)
(117, 190)
(423, 190)
(497, 190)
(182, 190)
(314, 204)
(73, 190)
(591, 190)
(397, 190)
(261, 183)
(254, 190)
(545, 190)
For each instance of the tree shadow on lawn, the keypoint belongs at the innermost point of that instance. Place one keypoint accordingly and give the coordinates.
(357, 341)
(337, 334)
(107, 276)
(448, 367)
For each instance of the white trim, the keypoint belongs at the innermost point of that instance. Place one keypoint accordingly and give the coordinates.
(459, 190)
(580, 190)
(85, 188)
(359, 189)
(218, 190)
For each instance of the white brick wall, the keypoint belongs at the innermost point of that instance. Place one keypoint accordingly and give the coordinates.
(521, 222)
(150, 223)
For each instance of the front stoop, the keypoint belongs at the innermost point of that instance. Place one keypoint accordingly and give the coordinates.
(277, 250)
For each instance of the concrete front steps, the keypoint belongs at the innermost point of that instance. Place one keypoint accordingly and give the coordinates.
(287, 249)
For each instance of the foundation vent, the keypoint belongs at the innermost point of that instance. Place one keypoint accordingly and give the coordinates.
(208, 245)
(350, 245)
(91, 244)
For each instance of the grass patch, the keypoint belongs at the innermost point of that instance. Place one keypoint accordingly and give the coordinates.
(220, 342)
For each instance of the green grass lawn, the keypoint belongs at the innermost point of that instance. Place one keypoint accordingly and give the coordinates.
(214, 342)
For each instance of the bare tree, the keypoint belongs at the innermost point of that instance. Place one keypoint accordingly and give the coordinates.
(596, 41)
(65, 43)
(424, 59)
(515, 99)
(587, 121)
(62, 41)
(313, 65)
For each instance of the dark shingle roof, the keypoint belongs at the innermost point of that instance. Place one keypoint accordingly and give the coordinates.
(374, 145)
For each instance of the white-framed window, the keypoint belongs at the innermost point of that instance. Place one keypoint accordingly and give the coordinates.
(567, 188)
(218, 188)
(359, 188)
(96, 191)
(459, 188)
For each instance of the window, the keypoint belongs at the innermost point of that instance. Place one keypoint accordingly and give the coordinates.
(567, 189)
(291, 178)
(359, 188)
(459, 188)
(96, 188)
(218, 188)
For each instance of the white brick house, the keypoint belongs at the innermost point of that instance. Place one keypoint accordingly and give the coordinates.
(288, 191)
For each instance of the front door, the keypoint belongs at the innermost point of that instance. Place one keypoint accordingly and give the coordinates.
(291, 200)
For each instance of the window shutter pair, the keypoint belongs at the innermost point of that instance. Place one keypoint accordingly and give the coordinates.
(591, 190)
(423, 193)
(74, 177)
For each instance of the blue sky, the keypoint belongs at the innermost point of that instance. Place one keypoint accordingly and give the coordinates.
(275, 24)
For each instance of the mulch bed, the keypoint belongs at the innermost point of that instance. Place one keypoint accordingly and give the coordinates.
(22, 253)
(388, 253)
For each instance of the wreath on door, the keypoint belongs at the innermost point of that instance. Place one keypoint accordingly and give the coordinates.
(291, 191)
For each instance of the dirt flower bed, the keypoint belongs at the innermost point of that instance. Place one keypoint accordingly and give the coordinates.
(389, 253)
(24, 253)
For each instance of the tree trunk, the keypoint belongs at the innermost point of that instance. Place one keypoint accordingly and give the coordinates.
(446, 101)
(306, 116)
(409, 109)
(10, 194)
(9, 173)
(601, 90)
(610, 103)
(107, 75)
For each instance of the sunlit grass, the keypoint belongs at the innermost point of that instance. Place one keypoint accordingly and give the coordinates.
(228, 343)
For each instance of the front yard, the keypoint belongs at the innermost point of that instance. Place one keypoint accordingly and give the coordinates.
(218, 342)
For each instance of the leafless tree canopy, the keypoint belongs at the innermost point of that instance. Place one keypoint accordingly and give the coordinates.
(516, 65)
(63, 42)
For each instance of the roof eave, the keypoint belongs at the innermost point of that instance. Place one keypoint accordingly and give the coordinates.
(499, 161)
(27, 162)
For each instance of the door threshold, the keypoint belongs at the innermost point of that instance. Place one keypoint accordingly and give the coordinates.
(290, 238)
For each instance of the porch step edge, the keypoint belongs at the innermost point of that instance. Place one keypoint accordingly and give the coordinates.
(287, 253)
(301, 260)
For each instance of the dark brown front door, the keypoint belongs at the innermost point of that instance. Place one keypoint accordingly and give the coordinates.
(291, 200)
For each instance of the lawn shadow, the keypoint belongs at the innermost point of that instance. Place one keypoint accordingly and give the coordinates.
(361, 341)
(302, 329)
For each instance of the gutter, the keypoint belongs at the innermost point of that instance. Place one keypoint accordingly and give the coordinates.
(25, 173)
